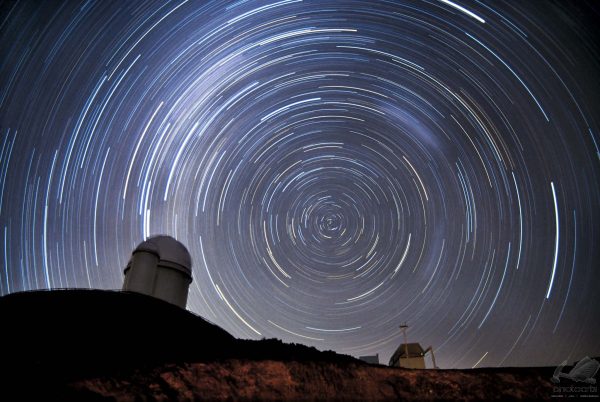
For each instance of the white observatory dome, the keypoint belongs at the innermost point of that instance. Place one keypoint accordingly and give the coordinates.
(168, 250)
(160, 267)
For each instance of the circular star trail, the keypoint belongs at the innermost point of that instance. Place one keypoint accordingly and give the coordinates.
(335, 168)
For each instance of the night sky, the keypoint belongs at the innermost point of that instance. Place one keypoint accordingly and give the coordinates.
(335, 168)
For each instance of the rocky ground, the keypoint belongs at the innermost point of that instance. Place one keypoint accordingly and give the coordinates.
(80, 345)
(312, 381)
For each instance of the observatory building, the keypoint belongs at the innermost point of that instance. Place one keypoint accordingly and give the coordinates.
(371, 359)
(411, 355)
(160, 267)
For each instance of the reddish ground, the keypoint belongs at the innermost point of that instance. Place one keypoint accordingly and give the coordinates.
(276, 380)
(81, 345)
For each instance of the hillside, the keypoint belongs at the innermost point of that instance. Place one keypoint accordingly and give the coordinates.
(313, 381)
(105, 345)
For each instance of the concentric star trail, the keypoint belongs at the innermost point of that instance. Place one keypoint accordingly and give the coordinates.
(335, 168)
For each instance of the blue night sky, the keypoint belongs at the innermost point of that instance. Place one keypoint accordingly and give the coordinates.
(335, 168)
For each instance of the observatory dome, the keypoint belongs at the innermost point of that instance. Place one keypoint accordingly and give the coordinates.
(168, 250)
(160, 267)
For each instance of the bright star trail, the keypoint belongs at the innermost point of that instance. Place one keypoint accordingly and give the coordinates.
(335, 168)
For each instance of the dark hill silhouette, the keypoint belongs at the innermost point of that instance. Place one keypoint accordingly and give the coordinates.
(64, 335)
(76, 345)
(118, 328)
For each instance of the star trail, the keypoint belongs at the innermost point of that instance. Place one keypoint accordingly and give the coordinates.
(335, 168)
